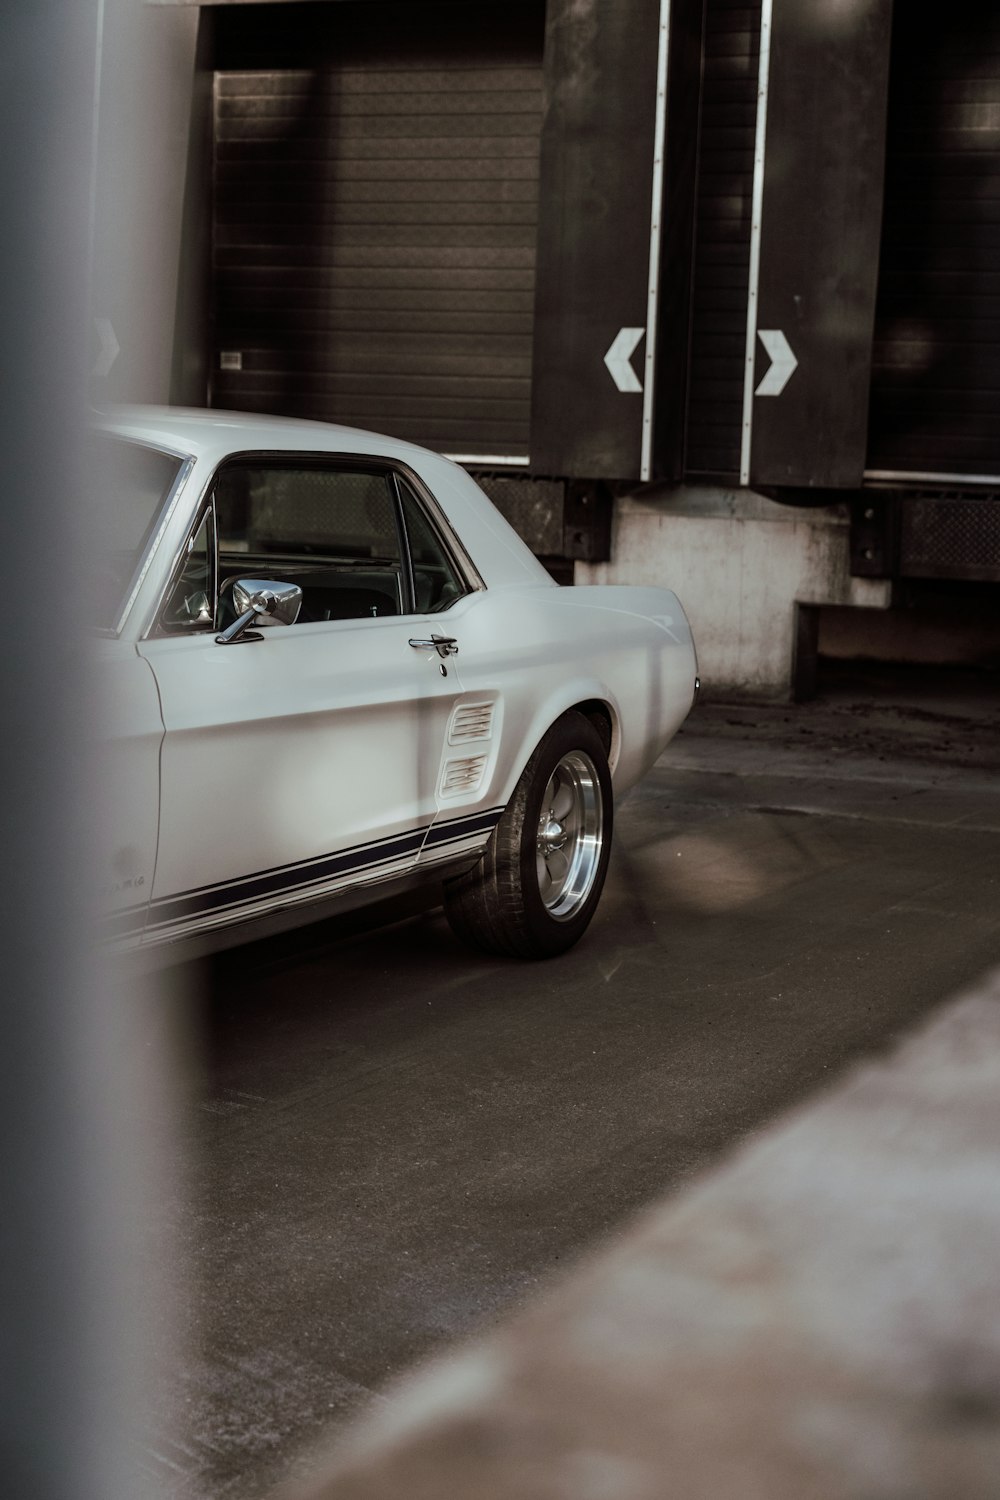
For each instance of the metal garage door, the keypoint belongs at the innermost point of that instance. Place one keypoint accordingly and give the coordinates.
(936, 357)
(375, 215)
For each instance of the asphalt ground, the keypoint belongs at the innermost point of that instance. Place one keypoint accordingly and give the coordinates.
(389, 1142)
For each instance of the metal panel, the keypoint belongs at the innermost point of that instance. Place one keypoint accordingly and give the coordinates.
(376, 170)
(821, 215)
(722, 242)
(874, 535)
(926, 533)
(950, 537)
(534, 507)
(672, 313)
(594, 235)
(936, 363)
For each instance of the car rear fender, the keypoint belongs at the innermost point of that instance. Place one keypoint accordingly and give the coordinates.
(638, 667)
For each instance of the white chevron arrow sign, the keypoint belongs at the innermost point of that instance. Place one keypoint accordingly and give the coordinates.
(783, 362)
(618, 356)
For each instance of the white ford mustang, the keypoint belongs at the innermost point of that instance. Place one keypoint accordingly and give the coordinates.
(331, 670)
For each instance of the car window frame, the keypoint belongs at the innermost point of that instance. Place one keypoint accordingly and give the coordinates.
(451, 545)
(440, 533)
(171, 500)
(158, 631)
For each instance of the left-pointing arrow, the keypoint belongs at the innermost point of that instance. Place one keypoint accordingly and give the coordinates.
(783, 362)
(618, 356)
(109, 350)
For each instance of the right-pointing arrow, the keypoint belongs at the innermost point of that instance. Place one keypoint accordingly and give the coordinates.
(783, 362)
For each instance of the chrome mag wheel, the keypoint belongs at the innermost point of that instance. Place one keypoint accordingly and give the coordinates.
(570, 835)
(540, 878)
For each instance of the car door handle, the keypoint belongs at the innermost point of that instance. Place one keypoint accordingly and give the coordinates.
(444, 645)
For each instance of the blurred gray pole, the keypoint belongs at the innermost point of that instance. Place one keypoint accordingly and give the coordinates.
(57, 1363)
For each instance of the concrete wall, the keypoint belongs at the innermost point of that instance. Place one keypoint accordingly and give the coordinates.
(740, 564)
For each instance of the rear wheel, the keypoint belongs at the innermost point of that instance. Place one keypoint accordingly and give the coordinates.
(541, 876)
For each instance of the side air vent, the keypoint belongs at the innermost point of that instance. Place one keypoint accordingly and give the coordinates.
(471, 721)
(462, 775)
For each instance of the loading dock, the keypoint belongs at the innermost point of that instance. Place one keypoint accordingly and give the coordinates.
(620, 259)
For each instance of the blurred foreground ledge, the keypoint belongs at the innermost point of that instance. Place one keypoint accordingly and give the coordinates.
(818, 1317)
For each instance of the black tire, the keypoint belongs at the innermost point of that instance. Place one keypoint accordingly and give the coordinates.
(541, 877)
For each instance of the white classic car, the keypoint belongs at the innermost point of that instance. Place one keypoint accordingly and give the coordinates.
(330, 669)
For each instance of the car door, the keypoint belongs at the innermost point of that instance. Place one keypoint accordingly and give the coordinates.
(125, 778)
(307, 758)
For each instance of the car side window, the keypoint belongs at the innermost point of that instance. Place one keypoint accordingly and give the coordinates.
(332, 531)
(436, 579)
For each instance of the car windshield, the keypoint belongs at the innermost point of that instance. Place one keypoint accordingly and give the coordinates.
(131, 483)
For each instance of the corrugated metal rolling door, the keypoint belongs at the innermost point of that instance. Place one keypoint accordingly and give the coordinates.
(376, 187)
(936, 358)
(722, 244)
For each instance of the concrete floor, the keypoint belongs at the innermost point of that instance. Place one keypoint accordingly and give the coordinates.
(392, 1141)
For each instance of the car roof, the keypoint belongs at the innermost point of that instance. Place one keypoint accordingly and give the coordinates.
(208, 436)
(206, 432)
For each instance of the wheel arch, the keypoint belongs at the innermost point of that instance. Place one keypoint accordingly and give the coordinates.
(605, 720)
(598, 707)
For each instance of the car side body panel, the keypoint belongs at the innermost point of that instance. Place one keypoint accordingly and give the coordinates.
(127, 789)
(538, 653)
(292, 764)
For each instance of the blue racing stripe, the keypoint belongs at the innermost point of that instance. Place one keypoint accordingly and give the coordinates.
(122, 924)
(228, 895)
(460, 828)
(277, 882)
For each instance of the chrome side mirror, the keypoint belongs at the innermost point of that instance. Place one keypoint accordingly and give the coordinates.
(260, 602)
